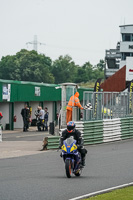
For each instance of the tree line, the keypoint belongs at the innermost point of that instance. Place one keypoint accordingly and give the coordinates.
(31, 66)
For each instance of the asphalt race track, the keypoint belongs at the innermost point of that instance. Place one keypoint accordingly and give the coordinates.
(42, 176)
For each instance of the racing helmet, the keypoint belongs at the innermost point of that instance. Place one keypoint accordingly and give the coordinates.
(70, 126)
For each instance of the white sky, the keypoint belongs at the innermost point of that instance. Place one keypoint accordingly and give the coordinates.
(83, 29)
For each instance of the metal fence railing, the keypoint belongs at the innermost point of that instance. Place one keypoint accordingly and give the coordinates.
(108, 105)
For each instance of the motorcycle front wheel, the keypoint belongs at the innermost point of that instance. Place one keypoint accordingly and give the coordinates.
(68, 168)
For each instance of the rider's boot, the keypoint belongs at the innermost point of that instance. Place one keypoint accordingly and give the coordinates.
(83, 161)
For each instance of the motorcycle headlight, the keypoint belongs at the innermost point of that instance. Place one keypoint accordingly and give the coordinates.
(64, 148)
(74, 147)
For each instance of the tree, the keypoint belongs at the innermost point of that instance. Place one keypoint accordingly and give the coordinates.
(101, 65)
(64, 69)
(31, 66)
(7, 67)
(84, 73)
(27, 66)
(99, 70)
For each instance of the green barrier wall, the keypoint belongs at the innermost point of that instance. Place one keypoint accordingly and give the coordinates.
(94, 132)
(53, 142)
(127, 128)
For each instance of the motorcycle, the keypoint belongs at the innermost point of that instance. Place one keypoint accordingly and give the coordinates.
(71, 157)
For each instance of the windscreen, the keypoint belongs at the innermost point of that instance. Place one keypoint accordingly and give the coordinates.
(69, 140)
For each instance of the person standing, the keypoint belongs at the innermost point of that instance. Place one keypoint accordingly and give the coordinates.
(41, 119)
(25, 112)
(46, 118)
(1, 116)
(73, 101)
(36, 113)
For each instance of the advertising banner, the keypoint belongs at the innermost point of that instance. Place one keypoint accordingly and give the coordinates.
(130, 90)
(129, 68)
(96, 89)
(37, 91)
(6, 91)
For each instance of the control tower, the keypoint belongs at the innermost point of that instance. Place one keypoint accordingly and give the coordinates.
(116, 58)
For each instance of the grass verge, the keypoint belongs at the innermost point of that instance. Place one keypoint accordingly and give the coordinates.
(120, 194)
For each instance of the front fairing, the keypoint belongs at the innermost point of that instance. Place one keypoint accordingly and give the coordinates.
(69, 146)
(69, 151)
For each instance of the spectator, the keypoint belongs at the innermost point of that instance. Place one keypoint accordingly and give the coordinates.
(40, 122)
(1, 116)
(25, 112)
(46, 118)
(37, 112)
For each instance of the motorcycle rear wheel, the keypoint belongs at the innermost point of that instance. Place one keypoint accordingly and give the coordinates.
(68, 168)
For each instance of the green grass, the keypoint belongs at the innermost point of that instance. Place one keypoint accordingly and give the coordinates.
(89, 84)
(120, 194)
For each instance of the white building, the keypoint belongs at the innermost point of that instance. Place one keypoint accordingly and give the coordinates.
(122, 55)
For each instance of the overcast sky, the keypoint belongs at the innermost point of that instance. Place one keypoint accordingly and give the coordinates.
(83, 29)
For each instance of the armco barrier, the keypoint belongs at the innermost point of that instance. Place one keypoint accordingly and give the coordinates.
(93, 132)
(111, 130)
(53, 142)
(127, 128)
(100, 131)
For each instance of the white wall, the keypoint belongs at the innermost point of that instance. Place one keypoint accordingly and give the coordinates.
(129, 68)
(34, 106)
(125, 47)
(122, 63)
(49, 105)
(126, 29)
(58, 106)
(17, 111)
(4, 108)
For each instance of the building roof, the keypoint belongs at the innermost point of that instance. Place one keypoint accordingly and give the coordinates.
(126, 25)
(28, 83)
(25, 91)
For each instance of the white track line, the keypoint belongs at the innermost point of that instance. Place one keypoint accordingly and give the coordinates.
(102, 191)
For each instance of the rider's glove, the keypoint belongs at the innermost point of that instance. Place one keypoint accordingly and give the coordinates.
(79, 146)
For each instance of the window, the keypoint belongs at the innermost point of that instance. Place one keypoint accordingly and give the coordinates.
(131, 37)
(124, 55)
(127, 37)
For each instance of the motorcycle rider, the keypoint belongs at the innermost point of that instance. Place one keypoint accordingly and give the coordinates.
(72, 131)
